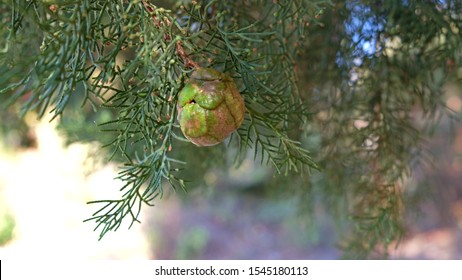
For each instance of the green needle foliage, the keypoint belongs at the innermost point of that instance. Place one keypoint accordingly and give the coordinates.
(134, 57)
(331, 85)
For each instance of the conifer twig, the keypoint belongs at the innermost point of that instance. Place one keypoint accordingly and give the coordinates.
(157, 22)
(188, 62)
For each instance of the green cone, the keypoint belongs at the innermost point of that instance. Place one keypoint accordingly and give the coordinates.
(210, 107)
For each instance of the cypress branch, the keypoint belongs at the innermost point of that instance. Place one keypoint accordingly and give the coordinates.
(351, 75)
